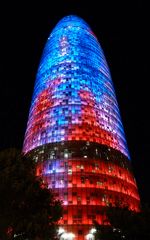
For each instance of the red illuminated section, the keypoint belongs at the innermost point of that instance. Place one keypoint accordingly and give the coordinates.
(91, 125)
(88, 124)
(39, 115)
(86, 187)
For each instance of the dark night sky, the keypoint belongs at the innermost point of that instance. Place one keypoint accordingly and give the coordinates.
(122, 28)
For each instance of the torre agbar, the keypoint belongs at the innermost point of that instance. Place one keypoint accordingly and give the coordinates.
(74, 131)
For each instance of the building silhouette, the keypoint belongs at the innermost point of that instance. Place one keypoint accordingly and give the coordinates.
(75, 132)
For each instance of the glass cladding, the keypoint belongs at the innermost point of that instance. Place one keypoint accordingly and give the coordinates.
(74, 131)
(74, 98)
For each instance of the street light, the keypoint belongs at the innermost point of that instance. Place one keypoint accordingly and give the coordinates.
(63, 235)
(67, 236)
(90, 235)
(93, 230)
(60, 231)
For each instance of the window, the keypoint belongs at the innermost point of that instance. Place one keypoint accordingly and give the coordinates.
(80, 232)
(74, 194)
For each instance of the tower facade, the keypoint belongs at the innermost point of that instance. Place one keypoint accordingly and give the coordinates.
(74, 130)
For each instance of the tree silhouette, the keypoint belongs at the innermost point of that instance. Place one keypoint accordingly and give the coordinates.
(28, 209)
(125, 224)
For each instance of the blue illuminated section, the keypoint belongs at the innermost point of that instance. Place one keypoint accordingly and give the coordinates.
(73, 97)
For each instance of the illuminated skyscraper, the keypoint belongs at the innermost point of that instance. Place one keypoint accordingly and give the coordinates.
(74, 130)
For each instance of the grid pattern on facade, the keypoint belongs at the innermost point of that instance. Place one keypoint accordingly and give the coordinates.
(74, 131)
(74, 97)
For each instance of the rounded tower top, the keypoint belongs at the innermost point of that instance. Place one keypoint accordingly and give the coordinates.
(72, 20)
(74, 98)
